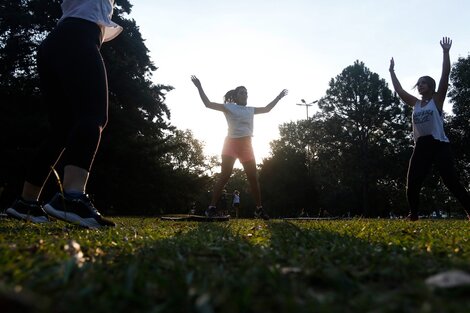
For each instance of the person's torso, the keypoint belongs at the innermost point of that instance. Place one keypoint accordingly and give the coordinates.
(239, 120)
(236, 199)
(97, 11)
(427, 120)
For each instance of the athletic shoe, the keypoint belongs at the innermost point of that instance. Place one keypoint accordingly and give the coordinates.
(79, 211)
(260, 214)
(412, 217)
(28, 211)
(211, 211)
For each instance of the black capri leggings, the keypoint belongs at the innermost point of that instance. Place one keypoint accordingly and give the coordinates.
(74, 87)
(429, 151)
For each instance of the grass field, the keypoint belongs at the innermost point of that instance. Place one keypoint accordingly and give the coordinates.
(147, 265)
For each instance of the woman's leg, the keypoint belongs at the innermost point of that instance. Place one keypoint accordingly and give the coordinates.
(419, 166)
(252, 176)
(445, 165)
(227, 167)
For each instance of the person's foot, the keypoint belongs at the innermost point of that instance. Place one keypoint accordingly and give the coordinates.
(79, 211)
(28, 211)
(211, 211)
(261, 214)
(412, 217)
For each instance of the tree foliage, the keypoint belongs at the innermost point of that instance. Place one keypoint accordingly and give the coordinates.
(458, 127)
(350, 156)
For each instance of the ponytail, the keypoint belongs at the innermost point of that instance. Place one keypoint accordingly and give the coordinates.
(230, 96)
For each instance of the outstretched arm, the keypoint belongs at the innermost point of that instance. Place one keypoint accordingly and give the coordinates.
(405, 97)
(440, 96)
(202, 94)
(271, 105)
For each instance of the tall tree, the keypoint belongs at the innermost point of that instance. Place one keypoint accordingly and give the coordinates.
(286, 182)
(369, 119)
(458, 127)
(351, 156)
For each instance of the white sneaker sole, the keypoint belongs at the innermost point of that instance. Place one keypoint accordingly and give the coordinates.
(72, 217)
(26, 217)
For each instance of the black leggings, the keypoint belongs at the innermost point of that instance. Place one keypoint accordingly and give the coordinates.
(429, 151)
(74, 87)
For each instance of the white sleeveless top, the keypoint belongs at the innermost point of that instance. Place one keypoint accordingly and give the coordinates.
(97, 11)
(239, 119)
(428, 121)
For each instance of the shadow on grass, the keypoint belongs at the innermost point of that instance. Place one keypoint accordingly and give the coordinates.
(240, 266)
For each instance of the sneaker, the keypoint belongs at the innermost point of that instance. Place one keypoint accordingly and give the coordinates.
(79, 211)
(211, 211)
(412, 217)
(260, 214)
(28, 211)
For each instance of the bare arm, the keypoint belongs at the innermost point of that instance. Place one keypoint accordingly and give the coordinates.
(406, 97)
(204, 98)
(440, 96)
(271, 105)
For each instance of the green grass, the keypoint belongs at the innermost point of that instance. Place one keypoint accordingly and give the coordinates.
(147, 265)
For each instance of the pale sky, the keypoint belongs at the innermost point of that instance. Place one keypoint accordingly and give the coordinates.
(300, 45)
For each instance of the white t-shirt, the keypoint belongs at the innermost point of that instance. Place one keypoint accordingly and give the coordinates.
(97, 11)
(239, 120)
(428, 121)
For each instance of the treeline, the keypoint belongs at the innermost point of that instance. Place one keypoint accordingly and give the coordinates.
(350, 158)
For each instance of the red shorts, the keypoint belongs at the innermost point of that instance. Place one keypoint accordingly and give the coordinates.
(239, 148)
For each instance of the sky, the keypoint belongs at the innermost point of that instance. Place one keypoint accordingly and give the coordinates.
(299, 45)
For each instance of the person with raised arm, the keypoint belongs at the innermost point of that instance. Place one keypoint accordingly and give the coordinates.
(432, 147)
(237, 144)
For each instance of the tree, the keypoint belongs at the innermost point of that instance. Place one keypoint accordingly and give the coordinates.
(369, 126)
(458, 127)
(286, 183)
(351, 156)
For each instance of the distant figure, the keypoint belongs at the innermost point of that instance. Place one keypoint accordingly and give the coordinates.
(303, 213)
(74, 86)
(223, 202)
(238, 141)
(193, 209)
(236, 202)
(431, 143)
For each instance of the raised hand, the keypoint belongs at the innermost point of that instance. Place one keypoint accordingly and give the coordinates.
(283, 93)
(446, 43)
(196, 81)
(392, 65)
